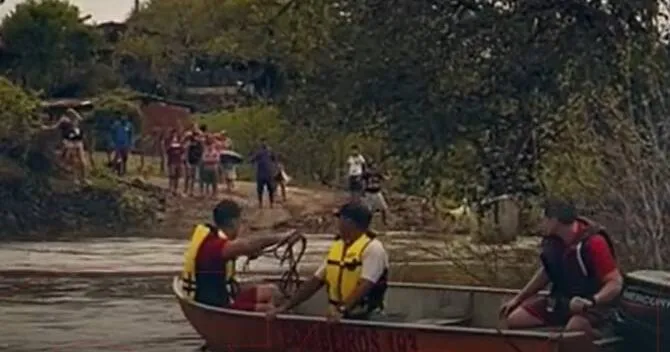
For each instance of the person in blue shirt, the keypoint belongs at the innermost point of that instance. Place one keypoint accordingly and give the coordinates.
(122, 139)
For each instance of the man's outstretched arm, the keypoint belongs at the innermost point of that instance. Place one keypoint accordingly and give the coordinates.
(251, 246)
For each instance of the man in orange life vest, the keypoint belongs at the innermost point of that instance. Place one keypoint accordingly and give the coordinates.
(355, 271)
(208, 275)
(578, 260)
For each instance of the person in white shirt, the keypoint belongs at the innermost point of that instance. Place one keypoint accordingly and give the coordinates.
(356, 163)
(355, 271)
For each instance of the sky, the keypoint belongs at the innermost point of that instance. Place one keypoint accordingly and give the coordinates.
(101, 10)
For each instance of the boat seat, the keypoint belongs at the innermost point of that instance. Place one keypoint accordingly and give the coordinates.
(444, 321)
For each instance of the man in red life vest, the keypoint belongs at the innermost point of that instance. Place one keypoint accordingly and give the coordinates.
(208, 275)
(578, 260)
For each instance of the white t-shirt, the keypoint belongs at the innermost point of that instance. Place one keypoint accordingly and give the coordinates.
(374, 261)
(356, 163)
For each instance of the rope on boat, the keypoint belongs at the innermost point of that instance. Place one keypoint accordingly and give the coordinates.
(286, 254)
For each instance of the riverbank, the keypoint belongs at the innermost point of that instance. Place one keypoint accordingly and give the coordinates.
(309, 210)
(46, 206)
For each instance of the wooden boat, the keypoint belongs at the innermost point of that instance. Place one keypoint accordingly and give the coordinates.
(421, 318)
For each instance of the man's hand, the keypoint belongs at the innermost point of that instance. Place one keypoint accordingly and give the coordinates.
(333, 315)
(272, 313)
(580, 305)
(508, 307)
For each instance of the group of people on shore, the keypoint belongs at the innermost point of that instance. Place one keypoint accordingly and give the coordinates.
(208, 158)
(198, 155)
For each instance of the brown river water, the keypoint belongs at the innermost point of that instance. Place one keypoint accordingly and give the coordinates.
(111, 294)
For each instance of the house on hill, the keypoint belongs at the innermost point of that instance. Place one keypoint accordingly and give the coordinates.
(162, 115)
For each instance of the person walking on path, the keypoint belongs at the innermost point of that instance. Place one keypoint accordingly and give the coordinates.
(209, 172)
(174, 151)
(265, 164)
(281, 178)
(122, 139)
(356, 167)
(228, 168)
(373, 196)
(194, 151)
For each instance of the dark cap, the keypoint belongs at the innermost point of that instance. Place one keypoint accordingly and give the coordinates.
(563, 211)
(226, 212)
(357, 213)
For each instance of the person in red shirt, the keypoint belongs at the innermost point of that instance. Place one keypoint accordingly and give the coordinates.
(208, 276)
(578, 260)
(174, 151)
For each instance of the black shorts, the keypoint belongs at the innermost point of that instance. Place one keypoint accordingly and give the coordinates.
(355, 184)
(265, 184)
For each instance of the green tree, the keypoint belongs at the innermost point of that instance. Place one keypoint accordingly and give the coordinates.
(49, 47)
(18, 119)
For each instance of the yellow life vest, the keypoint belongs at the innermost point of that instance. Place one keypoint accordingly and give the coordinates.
(343, 269)
(188, 275)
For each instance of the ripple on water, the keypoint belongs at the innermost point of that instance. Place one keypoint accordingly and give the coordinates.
(122, 255)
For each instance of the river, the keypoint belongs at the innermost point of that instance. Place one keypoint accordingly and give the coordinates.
(110, 294)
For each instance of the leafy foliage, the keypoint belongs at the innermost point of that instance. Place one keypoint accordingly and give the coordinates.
(18, 118)
(48, 46)
(107, 108)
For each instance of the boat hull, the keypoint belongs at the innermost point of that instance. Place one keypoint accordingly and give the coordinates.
(226, 330)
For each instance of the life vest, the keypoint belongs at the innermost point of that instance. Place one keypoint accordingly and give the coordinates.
(217, 287)
(343, 270)
(569, 269)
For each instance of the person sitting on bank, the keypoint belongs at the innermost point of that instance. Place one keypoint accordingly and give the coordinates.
(578, 260)
(355, 271)
(208, 275)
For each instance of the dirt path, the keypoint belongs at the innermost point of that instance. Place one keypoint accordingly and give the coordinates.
(305, 209)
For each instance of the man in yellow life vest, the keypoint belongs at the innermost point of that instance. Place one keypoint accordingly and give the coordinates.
(208, 275)
(355, 271)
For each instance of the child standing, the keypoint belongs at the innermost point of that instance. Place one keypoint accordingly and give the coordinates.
(209, 173)
(174, 150)
(227, 166)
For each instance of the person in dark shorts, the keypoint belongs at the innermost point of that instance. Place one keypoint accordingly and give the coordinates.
(373, 196)
(122, 138)
(209, 169)
(265, 161)
(194, 151)
(174, 150)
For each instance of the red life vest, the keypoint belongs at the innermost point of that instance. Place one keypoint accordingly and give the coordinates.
(570, 266)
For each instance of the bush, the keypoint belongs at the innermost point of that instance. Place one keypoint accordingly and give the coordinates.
(18, 118)
(107, 108)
